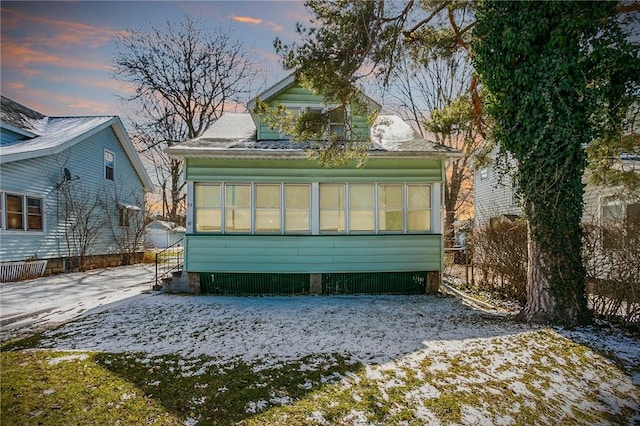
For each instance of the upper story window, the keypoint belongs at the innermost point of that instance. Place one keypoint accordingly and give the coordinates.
(109, 165)
(21, 212)
(337, 124)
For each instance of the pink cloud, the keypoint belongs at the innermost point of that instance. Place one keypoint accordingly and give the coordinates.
(57, 33)
(247, 20)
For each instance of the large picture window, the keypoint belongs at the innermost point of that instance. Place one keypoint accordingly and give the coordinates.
(330, 208)
(21, 212)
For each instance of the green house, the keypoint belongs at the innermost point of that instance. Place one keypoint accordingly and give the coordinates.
(264, 218)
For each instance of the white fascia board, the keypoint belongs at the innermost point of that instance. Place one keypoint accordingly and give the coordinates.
(134, 158)
(272, 91)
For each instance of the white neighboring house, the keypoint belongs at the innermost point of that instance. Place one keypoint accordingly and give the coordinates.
(497, 198)
(162, 234)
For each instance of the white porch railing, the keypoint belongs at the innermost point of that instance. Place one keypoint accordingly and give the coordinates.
(15, 271)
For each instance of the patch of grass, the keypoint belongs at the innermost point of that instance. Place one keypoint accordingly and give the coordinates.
(130, 388)
(535, 377)
(55, 388)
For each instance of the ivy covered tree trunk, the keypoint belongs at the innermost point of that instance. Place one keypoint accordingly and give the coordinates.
(559, 75)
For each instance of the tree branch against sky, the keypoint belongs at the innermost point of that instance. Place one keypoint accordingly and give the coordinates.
(185, 76)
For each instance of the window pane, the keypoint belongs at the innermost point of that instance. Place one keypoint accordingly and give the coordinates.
(109, 165)
(34, 214)
(612, 212)
(268, 220)
(419, 196)
(390, 197)
(390, 207)
(297, 196)
(238, 208)
(332, 220)
(419, 208)
(332, 208)
(296, 215)
(361, 196)
(267, 208)
(297, 221)
(208, 196)
(14, 212)
(267, 196)
(361, 211)
(419, 220)
(331, 196)
(208, 209)
(361, 220)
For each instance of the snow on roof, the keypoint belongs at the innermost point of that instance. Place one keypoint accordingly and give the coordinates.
(51, 135)
(235, 134)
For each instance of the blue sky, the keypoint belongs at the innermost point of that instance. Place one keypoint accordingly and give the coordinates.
(55, 55)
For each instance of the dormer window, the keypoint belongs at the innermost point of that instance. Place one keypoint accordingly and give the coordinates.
(337, 124)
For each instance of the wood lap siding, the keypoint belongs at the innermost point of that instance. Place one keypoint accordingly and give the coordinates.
(313, 254)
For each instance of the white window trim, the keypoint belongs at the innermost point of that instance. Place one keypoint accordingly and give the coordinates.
(104, 166)
(435, 208)
(24, 230)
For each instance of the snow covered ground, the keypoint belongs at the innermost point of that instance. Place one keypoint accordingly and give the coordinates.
(33, 305)
(467, 349)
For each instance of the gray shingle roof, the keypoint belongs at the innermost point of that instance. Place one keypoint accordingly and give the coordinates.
(236, 134)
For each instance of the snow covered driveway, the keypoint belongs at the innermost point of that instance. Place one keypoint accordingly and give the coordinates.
(32, 305)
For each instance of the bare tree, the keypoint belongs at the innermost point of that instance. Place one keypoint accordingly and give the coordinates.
(433, 94)
(126, 221)
(184, 77)
(82, 216)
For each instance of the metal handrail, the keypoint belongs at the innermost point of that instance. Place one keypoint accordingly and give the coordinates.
(171, 263)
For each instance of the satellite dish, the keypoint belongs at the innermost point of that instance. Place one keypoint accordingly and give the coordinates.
(67, 174)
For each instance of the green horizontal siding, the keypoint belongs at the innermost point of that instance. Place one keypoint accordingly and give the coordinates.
(298, 96)
(312, 254)
(380, 170)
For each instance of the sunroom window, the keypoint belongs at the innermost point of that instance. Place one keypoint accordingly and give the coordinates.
(208, 208)
(320, 208)
(297, 199)
(332, 208)
(418, 208)
(267, 208)
(390, 217)
(361, 208)
(237, 212)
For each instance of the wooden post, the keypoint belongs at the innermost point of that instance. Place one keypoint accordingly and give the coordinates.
(315, 283)
(433, 282)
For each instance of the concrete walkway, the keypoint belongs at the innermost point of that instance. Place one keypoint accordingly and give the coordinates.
(30, 306)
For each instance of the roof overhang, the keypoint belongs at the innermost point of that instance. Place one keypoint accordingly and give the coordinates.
(269, 154)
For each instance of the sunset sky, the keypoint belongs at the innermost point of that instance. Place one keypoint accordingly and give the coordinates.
(56, 55)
